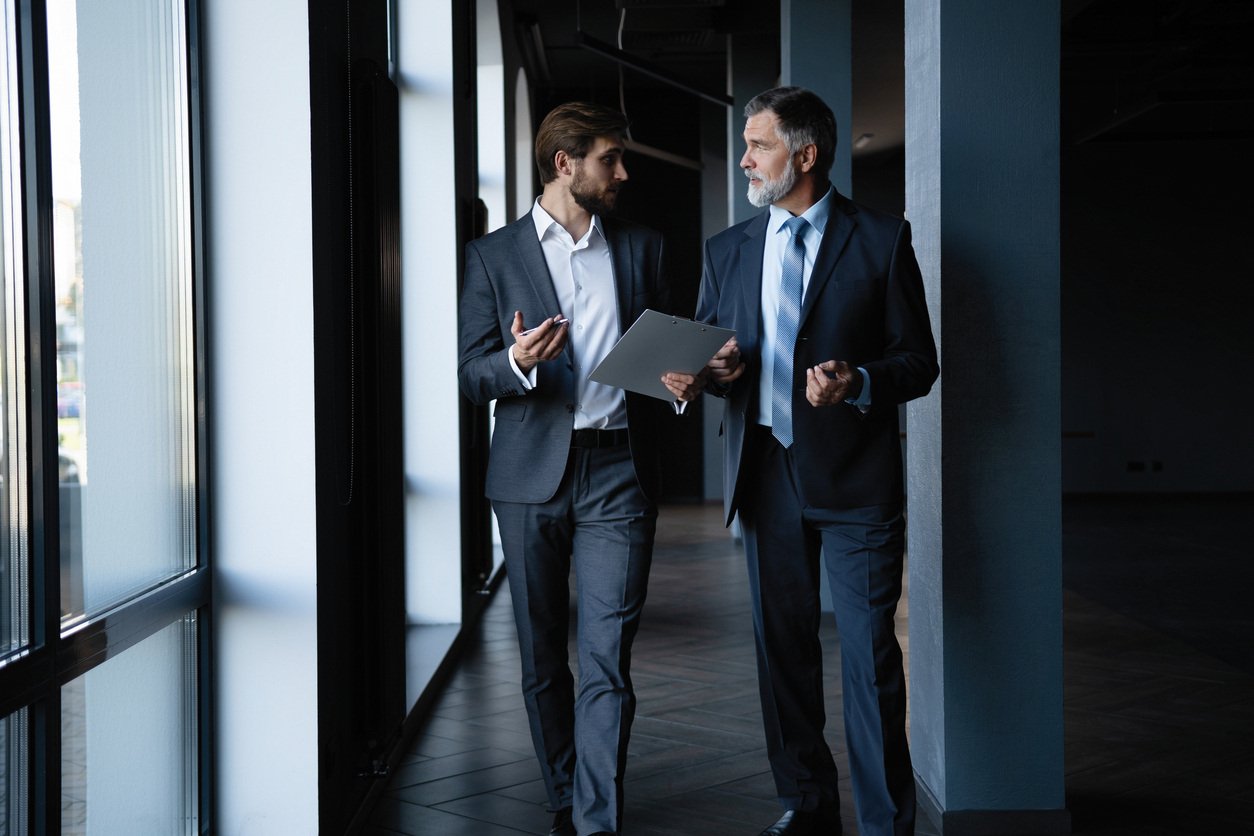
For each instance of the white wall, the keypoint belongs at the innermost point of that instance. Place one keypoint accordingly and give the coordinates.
(490, 106)
(259, 245)
(429, 300)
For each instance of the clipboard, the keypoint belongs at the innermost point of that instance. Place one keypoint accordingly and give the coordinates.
(655, 344)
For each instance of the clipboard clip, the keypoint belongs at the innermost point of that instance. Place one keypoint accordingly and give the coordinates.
(675, 318)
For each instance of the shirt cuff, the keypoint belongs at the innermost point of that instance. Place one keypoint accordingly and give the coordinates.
(528, 380)
(863, 401)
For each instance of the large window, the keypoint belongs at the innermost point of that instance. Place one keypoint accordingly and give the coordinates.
(128, 758)
(103, 575)
(14, 603)
(123, 290)
(14, 773)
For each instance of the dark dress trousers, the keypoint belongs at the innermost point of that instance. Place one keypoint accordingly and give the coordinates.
(837, 491)
(560, 505)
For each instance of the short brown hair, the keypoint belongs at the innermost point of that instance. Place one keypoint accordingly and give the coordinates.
(573, 127)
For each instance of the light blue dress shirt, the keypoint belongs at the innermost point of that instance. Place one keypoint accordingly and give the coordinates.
(772, 277)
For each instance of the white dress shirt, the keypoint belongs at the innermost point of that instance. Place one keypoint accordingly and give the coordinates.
(777, 239)
(583, 278)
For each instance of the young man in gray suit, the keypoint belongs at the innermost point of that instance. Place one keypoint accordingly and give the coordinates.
(572, 472)
(833, 333)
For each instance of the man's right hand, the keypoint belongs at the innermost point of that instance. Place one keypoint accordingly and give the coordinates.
(544, 342)
(726, 365)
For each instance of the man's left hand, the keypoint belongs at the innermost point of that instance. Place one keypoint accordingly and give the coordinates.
(685, 387)
(832, 382)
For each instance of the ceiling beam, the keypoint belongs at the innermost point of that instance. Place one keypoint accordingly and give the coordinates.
(632, 62)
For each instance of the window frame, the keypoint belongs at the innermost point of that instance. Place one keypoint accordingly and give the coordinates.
(32, 678)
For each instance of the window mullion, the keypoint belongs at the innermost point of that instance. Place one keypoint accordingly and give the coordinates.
(45, 576)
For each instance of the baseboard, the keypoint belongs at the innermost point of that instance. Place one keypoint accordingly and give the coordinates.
(991, 822)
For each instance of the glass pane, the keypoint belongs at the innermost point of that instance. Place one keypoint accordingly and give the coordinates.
(490, 110)
(13, 532)
(128, 740)
(122, 245)
(14, 760)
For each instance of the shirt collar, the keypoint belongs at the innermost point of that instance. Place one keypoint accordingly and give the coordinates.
(816, 215)
(544, 222)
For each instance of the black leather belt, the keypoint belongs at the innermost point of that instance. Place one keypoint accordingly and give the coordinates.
(593, 439)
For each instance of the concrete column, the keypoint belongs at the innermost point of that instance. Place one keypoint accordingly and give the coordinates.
(816, 52)
(983, 473)
(751, 69)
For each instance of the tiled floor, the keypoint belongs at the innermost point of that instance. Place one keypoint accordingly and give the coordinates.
(1159, 732)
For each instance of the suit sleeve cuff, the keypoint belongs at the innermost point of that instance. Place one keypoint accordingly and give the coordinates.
(863, 401)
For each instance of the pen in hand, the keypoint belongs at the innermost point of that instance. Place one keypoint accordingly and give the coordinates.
(561, 320)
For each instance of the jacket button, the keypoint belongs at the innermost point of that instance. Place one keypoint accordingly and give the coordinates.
(570, 407)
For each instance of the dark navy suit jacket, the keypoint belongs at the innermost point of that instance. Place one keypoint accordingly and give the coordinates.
(506, 272)
(864, 305)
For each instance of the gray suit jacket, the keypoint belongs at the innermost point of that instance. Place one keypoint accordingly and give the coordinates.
(506, 272)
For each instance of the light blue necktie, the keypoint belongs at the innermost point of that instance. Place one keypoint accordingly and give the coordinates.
(786, 330)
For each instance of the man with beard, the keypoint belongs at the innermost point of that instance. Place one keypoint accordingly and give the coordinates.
(572, 471)
(832, 334)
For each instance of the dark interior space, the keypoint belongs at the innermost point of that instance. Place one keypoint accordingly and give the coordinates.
(1157, 111)
(1157, 124)
(1179, 564)
(1157, 118)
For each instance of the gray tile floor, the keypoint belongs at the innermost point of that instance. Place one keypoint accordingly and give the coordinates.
(1159, 710)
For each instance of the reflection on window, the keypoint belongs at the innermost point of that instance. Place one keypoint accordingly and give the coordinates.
(122, 263)
(128, 732)
(14, 760)
(13, 532)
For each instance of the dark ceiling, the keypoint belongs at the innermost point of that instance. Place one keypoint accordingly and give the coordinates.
(687, 42)
(686, 38)
(1130, 69)
(1137, 70)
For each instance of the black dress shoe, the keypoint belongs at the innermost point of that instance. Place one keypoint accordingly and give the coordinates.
(804, 823)
(562, 825)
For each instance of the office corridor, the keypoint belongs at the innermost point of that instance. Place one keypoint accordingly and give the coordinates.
(1160, 735)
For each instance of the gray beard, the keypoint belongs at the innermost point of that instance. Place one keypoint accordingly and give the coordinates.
(771, 190)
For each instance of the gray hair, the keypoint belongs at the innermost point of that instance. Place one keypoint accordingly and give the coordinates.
(804, 119)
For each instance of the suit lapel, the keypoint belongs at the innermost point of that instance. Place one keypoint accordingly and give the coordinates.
(625, 277)
(531, 256)
(751, 253)
(840, 225)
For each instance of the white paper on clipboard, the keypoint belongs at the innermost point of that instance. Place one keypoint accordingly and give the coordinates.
(655, 344)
